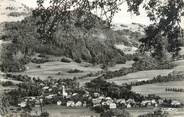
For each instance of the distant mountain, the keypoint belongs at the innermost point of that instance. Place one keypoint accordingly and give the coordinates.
(131, 34)
(13, 10)
(134, 27)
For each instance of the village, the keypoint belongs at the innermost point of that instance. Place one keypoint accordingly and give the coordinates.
(33, 92)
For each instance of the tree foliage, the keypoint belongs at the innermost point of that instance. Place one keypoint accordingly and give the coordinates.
(161, 36)
(164, 33)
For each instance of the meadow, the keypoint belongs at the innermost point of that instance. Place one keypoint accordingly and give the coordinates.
(139, 76)
(159, 89)
(60, 111)
(57, 69)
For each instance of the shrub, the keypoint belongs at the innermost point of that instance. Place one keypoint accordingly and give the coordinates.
(66, 60)
(78, 60)
(116, 113)
(75, 71)
(7, 83)
(17, 14)
(39, 61)
(44, 114)
(12, 67)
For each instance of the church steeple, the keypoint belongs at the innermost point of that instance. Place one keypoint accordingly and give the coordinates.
(64, 93)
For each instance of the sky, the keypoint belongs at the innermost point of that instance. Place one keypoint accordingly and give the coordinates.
(122, 17)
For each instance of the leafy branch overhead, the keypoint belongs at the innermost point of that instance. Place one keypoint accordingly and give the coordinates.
(163, 34)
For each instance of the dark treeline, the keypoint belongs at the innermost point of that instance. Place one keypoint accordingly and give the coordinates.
(157, 113)
(139, 65)
(175, 89)
(159, 79)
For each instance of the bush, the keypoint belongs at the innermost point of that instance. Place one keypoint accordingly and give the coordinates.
(78, 60)
(44, 114)
(66, 60)
(17, 14)
(39, 61)
(12, 67)
(115, 113)
(75, 71)
(7, 83)
(42, 55)
(158, 113)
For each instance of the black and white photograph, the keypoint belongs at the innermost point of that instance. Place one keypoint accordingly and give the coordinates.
(91, 58)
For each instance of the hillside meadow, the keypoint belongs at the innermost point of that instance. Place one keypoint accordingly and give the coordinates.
(159, 89)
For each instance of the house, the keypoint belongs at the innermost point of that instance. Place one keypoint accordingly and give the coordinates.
(37, 103)
(74, 94)
(70, 104)
(108, 102)
(22, 104)
(128, 106)
(153, 101)
(160, 101)
(145, 103)
(101, 97)
(108, 98)
(85, 95)
(96, 101)
(59, 103)
(96, 95)
(45, 88)
(84, 104)
(50, 96)
(50, 89)
(131, 101)
(112, 106)
(30, 98)
(175, 103)
(78, 104)
(121, 101)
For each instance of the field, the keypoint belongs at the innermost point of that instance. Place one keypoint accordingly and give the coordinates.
(128, 64)
(179, 66)
(58, 69)
(159, 89)
(174, 112)
(139, 76)
(149, 74)
(60, 111)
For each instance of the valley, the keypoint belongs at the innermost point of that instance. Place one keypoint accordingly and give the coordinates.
(67, 76)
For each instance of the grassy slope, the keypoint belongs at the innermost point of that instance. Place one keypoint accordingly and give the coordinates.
(58, 111)
(159, 89)
(139, 76)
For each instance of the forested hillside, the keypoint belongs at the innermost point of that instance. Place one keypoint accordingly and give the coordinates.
(95, 45)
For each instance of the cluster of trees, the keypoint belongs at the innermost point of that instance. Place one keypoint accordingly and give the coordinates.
(159, 79)
(66, 60)
(90, 75)
(148, 63)
(115, 112)
(112, 90)
(22, 78)
(175, 89)
(145, 63)
(75, 71)
(39, 61)
(7, 83)
(158, 113)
